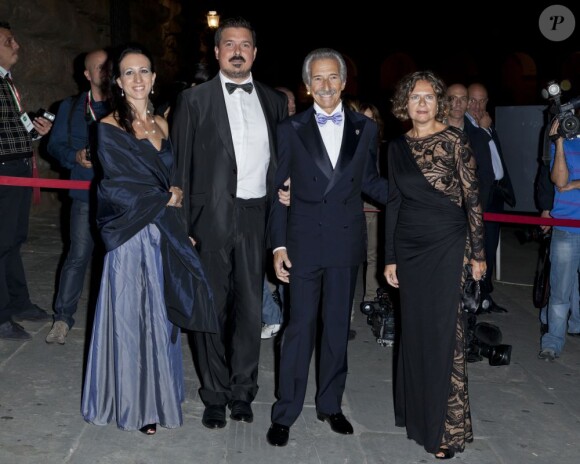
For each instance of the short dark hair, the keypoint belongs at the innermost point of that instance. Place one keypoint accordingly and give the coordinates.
(234, 22)
(5, 25)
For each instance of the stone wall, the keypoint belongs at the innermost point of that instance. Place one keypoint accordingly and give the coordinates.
(53, 33)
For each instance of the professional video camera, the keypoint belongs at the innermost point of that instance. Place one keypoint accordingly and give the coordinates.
(380, 315)
(569, 123)
(484, 341)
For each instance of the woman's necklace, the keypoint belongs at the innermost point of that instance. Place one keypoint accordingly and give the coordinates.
(142, 126)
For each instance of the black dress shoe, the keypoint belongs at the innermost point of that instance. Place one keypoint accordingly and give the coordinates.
(214, 416)
(32, 313)
(351, 334)
(278, 434)
(10, 330)
(338, 423)
(241, 411)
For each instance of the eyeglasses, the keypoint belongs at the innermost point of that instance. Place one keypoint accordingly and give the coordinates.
(481, 101)
(416, 98)
(454, 98)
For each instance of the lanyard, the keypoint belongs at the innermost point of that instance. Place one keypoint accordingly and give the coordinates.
(89, 111)
(14, 93)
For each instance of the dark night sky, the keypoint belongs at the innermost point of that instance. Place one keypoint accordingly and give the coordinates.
(433, 34)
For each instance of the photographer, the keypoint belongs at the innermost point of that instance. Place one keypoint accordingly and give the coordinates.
(18, 130)
(565, 245)
(544, 201)
(70, 143)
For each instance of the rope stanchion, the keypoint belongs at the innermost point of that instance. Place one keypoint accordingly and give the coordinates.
(45, 183)
(536, 220)
(37, 182)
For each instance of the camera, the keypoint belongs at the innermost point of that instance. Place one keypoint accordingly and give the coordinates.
(484, 341)
(569, 122)
(380, 314)
(42, 113)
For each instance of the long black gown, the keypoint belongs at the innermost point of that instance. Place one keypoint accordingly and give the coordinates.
(433, 226)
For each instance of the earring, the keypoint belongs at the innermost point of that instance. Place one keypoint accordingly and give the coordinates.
(152, 90)
(122, 93)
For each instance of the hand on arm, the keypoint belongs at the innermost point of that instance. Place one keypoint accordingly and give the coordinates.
(574, 184)
(284, 195)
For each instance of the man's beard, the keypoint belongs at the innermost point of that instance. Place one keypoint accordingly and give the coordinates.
(236, 74)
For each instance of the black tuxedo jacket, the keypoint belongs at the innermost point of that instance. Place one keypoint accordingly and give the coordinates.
(479, 140)
(325, 223)
(206, 167)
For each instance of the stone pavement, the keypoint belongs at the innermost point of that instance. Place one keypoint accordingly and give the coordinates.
(527, 412)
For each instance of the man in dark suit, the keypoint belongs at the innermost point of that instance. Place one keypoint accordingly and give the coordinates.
(494, 181)
(224, 136)
(329, 152)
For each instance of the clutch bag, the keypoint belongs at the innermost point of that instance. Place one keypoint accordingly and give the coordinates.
(471, 297)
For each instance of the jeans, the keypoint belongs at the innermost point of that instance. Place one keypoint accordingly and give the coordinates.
(574, 319)
(271, 312)
(72, 276)
(565, 264)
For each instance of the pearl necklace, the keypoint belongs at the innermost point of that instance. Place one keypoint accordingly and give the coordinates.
(140, 124)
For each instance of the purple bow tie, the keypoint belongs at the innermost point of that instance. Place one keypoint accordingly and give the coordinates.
(322, 119)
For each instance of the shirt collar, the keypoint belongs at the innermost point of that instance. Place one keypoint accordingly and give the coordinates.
(4, 73)
(318, 109)
(471, 119)
(225, 79)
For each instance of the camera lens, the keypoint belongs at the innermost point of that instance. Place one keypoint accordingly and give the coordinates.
(367, 307)
(553, 89)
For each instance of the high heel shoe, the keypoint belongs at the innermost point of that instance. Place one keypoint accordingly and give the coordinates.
(149, 429)
(445, 453)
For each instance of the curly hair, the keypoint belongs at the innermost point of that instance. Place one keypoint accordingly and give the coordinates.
(406, 85)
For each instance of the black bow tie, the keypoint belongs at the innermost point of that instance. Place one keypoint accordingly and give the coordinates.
(247, 87)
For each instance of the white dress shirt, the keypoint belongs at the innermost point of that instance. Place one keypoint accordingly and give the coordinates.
(250, 137)
(331, 133)
(495, 159)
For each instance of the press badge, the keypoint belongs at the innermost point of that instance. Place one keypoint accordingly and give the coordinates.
(27, 122)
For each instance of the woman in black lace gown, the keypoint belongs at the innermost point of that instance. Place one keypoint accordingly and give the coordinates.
(433, 227)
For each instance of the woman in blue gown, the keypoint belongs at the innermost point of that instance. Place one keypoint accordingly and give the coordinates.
(151, 271)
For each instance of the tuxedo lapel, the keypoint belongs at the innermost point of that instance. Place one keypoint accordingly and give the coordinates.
(307, 129)
(350, 139)
(220, 115)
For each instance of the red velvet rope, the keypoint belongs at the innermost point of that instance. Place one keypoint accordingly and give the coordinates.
(45, 183)
(84, 185)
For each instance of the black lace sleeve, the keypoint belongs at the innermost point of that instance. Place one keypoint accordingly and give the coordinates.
(466, 167)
